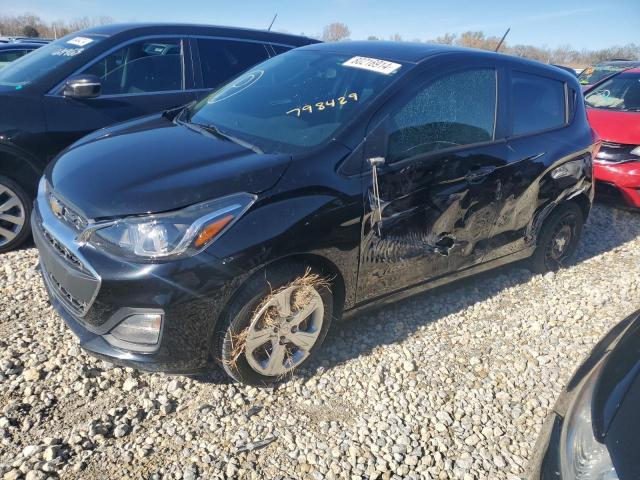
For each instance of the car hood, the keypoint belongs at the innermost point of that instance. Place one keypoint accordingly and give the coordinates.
(615, 126)
(152, 165)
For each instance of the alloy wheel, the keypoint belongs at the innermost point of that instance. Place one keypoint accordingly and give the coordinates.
(562, 237)
(284, 330)
(12, 215)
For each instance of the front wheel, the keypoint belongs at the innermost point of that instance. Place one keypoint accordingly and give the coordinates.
(274, 325)
(15, 210)
(558, 238)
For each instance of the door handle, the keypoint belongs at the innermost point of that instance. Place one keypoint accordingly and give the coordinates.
(476, 175)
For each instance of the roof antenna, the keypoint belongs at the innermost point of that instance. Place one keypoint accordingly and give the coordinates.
(502, 39)
(271, 24)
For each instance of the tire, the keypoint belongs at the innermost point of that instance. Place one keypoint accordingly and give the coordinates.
(255, 333)
(15, 212)
(558, 238)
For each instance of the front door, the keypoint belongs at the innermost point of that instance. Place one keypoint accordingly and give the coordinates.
(438, 186)
(143, 77)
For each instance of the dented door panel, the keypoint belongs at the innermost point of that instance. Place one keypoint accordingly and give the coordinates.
(436, 215)
(530, 188)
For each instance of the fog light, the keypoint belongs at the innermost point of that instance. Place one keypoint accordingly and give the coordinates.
(143, 328)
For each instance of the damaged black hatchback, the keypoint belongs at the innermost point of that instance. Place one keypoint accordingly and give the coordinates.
(325, 180)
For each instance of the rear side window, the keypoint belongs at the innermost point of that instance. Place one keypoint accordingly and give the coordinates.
(141, 67)
(458, 109)
(223, 59)
(537, 103)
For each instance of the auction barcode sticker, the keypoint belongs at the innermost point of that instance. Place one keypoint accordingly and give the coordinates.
(80, 41)
(373, 64)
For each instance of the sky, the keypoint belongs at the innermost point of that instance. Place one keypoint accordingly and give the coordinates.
(590, 24)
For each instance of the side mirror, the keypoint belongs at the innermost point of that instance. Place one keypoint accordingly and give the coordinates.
(82, 86)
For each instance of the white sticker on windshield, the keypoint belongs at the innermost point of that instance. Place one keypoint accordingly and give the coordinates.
(373, 64)
(80, 41)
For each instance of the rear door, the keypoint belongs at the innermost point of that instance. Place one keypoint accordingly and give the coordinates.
(140, 77)
(439, 184)
(540, 106)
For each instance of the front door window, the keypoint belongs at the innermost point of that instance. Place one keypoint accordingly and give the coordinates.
(154, 65)
(458, 109)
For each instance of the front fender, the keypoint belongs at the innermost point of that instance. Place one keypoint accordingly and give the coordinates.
(322, 224)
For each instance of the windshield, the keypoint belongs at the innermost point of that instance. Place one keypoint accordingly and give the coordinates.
(46, 58)
(296, 100)
(592, 75)
(621, 92)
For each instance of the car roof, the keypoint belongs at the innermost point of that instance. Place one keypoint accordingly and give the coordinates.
(398, 51)
(417, 52)
(195, 29)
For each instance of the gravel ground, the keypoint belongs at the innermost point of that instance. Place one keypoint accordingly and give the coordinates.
(454, 383)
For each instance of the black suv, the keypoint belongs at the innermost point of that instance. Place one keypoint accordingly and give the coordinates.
(100, 76)
(325, 180)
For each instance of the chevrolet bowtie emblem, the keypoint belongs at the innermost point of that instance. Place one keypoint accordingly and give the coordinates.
(56, 206)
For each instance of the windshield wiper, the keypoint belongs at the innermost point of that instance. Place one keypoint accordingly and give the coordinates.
(215, 131)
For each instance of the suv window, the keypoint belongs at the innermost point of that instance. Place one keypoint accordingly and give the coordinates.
(457, 109)
(9, 56)
(537, 103)
(148, 66)
(224, 59)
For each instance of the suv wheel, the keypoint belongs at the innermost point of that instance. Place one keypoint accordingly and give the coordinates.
(15, 210)
(275, 324)
(558, 238)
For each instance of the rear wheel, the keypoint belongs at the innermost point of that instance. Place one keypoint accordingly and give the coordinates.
(558, 238)
(275, 324)
(15, 210)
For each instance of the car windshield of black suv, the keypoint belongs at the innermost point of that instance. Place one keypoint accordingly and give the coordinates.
(31, 67)
(295, 101)
(621, 92)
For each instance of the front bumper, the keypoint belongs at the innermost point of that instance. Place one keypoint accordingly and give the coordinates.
(94, 292)
(624, 178)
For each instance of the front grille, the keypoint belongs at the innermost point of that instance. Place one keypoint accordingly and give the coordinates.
(66, 214)
(611, 152)
(63, 251)
(77, 306)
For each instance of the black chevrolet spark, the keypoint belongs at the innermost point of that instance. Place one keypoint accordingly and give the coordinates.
(326, 180)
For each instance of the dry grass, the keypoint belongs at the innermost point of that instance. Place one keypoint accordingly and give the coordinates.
(304, 290)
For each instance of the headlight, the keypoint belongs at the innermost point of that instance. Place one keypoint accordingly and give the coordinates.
(636, 151)
(582, 456)
(169, 235)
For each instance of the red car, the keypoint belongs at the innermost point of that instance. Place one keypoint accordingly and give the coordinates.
(613, 108)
